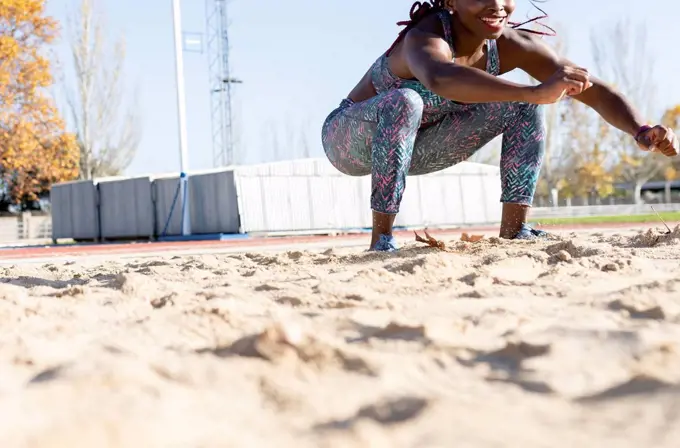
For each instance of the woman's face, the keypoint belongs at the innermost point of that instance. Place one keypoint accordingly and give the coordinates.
(483, 18)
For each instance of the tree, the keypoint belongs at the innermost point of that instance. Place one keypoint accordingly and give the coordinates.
(623, 56)
(558, 163)
(587, 168)
(108, 135)
(553, 174)
(35, 149)
(671, 119)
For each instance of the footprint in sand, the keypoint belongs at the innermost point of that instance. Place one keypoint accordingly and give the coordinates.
(289, 344)
(387, 412)
(523, 270)
(638, 310)
(290, 301)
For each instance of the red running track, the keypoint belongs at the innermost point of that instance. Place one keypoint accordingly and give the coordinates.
(104, 249)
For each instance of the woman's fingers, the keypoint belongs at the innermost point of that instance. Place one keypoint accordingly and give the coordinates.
(578, 79)
(574, 86)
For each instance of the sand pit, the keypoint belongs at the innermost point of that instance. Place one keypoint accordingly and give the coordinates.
(570, 342)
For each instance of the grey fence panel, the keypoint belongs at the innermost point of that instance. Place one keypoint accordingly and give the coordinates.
(164, 190)
(75, 213)
(126, 208)
(213, 203)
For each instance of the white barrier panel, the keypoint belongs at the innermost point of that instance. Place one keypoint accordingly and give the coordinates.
(312, 195)
(601, 210)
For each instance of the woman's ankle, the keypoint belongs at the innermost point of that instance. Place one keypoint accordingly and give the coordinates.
(509, 231)
(514, 217)
(382, 224)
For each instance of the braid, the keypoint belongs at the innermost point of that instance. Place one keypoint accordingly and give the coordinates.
(516, 25)
(420, 10)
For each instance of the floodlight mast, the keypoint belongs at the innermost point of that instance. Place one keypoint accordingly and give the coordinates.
(219, 68)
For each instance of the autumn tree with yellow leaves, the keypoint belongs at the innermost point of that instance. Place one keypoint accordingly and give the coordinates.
(588, 159)
(623, 56)
(585, 156)
(577, 157)
(35, 149)
(557, 157)
(671, 119)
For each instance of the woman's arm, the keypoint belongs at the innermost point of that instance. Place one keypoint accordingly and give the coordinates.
(529, 53)
(429, 59)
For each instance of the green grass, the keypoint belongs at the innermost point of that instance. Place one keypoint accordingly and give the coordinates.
(652, 217)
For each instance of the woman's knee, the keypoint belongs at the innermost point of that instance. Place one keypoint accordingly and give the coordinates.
(404, 104)
(525, 113)
(523, 124)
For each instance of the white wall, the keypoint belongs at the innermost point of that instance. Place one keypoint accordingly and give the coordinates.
(311, 194)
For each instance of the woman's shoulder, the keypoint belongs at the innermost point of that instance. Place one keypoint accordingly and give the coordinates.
(518, 47)
(514, 41)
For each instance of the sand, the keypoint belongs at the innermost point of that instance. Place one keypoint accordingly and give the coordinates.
(562, 343)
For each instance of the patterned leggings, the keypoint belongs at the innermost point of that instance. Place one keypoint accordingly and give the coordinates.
(383, 137)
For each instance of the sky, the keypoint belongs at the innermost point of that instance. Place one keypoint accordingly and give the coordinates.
(298, 59)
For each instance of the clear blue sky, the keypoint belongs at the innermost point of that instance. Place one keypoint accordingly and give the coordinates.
(299, 58)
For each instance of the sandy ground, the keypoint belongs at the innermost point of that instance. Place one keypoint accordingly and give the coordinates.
(563, 343)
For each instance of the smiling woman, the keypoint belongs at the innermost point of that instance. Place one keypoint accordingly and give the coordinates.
(434, 98)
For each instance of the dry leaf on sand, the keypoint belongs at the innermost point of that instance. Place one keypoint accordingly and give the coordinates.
(471, 238)
(430, 241)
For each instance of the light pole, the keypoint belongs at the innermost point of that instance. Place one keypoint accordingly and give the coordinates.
(181, 118)
(221, 113)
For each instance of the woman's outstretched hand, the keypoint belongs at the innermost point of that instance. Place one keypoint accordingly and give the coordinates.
(566, 81)
(658, 139)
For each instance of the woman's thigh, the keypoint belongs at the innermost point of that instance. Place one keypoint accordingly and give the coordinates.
(356, 133)
(456, 137)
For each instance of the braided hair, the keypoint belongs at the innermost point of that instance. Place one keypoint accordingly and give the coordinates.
(421, 10)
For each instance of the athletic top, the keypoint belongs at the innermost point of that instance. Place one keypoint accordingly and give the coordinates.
(435, 106)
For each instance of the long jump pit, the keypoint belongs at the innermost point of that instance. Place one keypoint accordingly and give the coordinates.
(457, 341)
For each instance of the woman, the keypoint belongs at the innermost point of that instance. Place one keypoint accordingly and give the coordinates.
(434, 98)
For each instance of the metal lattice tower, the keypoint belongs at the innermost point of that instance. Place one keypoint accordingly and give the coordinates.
(217, 38)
